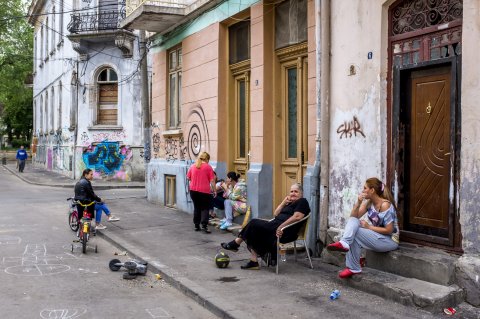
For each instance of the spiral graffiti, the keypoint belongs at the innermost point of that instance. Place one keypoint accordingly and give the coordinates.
(194, 141)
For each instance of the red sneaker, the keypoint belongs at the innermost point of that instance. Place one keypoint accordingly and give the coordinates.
(347, 273)
(337, 247)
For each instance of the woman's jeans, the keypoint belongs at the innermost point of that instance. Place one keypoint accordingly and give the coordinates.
(356, 238)
(99, 207)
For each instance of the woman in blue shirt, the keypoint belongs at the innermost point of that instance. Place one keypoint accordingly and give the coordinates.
(378, 232)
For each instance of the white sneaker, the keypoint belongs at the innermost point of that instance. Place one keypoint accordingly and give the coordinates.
(112, 218)
(100, 226)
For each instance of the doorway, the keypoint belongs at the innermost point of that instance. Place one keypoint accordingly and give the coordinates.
(291, 119)
(427, 152)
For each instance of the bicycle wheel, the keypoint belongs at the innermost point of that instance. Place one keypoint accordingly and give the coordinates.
(73, 220)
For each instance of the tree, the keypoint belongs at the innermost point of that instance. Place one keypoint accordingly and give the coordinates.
(16, 55)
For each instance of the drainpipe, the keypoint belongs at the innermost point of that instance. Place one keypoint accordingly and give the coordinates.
(74, 119)
(323, 123)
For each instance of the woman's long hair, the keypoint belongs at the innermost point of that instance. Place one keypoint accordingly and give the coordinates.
(203, 157)
(381, 190)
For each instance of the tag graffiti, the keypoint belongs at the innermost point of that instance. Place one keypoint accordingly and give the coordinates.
(350, 129)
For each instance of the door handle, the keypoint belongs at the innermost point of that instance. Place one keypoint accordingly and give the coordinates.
(428, 110)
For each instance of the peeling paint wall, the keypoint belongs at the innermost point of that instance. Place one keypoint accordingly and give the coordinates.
(469, 191)
(357, 114)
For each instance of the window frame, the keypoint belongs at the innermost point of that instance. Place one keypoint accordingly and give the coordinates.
(175, 70)
(98, 84)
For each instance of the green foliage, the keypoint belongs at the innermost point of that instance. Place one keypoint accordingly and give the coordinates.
(16, 64)
(17, 142)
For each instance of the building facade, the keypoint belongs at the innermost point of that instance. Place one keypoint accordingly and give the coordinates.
(87, 106)
(328, 93)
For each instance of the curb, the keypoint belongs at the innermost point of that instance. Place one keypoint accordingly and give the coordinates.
(218, 306)
(100, 187)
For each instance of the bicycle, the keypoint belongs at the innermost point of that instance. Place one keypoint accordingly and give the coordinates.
(72, 215)
(84, 226)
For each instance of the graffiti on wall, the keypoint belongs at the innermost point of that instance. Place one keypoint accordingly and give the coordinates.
(350, 129)
(86, 139)
(108, 158)
(185, 147)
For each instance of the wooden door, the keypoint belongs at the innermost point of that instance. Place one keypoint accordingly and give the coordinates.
(429, 154)
(292, 139)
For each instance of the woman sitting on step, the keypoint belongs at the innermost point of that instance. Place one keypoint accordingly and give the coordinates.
(235, 193)
(261, 235)
(379, 232)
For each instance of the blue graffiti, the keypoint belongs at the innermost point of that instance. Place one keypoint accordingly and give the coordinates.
(106, 157)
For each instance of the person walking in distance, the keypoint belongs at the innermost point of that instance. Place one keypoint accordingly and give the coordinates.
(21, 158)
(202, 183)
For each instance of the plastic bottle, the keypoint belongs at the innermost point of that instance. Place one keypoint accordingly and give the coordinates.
(283, 254)
(335, 294)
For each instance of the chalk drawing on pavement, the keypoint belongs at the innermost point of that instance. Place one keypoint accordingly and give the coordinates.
(158, 312)
(9, 240)
(62, 313)
(35, 262)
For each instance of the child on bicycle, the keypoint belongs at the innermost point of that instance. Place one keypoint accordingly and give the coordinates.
(84, 193)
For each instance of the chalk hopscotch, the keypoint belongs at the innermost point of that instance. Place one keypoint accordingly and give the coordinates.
(9, 240)
(62, 313)
(36, 262)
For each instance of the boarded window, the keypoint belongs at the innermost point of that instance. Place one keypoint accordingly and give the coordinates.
(170, 194)
(107, 97)
(290, 23)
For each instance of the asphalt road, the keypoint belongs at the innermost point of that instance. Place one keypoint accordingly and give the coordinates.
(41, 278)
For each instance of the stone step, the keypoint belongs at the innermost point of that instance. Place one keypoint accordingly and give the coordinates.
(407, 291)
(418, 262)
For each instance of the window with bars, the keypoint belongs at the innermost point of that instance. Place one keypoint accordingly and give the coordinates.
(170, 193)
(107, 93)
(174, 87)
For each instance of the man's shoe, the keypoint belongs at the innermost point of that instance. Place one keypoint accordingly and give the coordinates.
(100, 226)
(252, 265)
(233, 246)
(347, 273)
(337, 247)
(197, 228)
(206, 230)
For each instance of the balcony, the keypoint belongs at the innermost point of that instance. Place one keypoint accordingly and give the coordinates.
(100, 27)
(159, 16)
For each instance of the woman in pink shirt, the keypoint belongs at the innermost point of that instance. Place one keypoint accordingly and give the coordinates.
(202, 183)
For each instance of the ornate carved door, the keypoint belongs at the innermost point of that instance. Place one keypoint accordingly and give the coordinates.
(429, 151)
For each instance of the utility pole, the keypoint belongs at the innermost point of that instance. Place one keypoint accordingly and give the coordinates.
(145, 99)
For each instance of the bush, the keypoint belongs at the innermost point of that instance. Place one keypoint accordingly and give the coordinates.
(16, 143)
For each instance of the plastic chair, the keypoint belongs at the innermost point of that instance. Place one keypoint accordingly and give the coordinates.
(302, 235)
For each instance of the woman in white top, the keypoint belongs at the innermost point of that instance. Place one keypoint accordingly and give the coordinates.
(378, 232)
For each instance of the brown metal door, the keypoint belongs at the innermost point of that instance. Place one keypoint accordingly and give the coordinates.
(430, 149)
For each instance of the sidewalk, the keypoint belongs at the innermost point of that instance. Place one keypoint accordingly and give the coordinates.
(185, 259)
(42, 177)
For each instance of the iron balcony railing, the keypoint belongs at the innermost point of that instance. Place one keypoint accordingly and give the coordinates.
(97, 21)
(132, 5)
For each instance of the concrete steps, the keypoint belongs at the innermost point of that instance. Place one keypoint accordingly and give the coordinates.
(412, 261)
(407, 291)
(412, 275)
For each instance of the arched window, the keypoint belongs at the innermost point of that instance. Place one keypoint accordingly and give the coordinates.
(107, 89)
